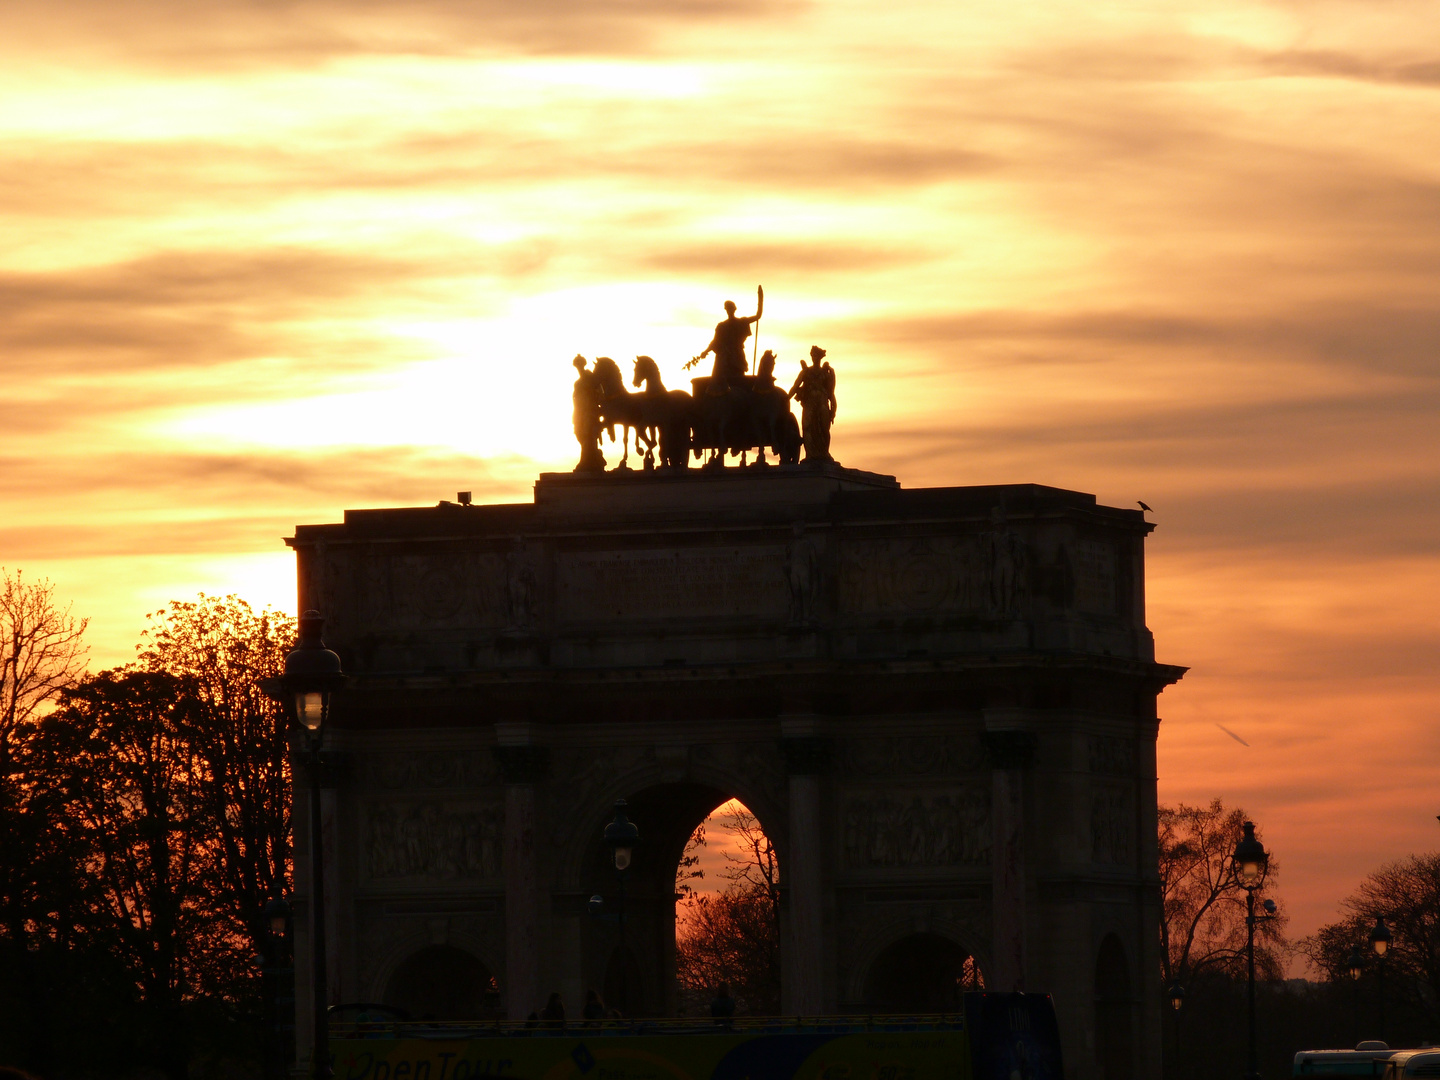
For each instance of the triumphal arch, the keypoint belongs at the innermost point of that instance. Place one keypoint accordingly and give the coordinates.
(940, 703)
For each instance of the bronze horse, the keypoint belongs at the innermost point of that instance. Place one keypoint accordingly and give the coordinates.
(730, 416)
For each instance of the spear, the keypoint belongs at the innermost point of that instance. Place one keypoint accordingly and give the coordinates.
(759, 309)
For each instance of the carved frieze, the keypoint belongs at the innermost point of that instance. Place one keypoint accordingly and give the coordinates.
(673, 583)
(985, 573)
(1112, 755)
(916, 755)
(431, 769)
(938, 573)
(1112, 824)
(449, 589)
(951, 829)
(433, 840)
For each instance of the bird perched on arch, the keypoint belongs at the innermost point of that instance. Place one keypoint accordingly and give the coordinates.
(1143, 506)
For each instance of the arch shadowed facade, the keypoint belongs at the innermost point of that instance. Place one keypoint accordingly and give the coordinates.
(939, 703)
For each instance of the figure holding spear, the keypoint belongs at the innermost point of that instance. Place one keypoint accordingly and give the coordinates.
(728, 344)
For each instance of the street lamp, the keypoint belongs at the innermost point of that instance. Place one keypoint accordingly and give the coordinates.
(312, 675)
(277, 916)
(276, 919)
(1380, 938)
(621, 836)
(1250, 862)
(1355, 966)
(1175, 993)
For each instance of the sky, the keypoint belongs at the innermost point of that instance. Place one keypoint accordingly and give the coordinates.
(265, 261)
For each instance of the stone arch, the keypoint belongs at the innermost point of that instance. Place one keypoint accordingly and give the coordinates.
(394, 949)
(922, 971)
(1114, 1012)
(442, 982)
(667, 812)
(882, 935)
(579, 844)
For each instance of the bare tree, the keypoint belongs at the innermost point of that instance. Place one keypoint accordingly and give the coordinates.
(734, 937)
(41, 654)
(1203, 931)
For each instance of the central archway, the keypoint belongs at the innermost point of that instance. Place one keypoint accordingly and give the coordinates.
(921, 973)
(640, 979)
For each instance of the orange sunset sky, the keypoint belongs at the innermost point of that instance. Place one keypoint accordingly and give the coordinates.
(265, 261)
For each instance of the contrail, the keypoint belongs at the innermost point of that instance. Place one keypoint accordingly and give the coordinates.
(1232, 735)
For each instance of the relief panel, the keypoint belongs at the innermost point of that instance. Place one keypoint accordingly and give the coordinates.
(443, 841)
(1093, 563)
(673, 583)
(449, 590)
(1112, 824)
(1111, 755)
(949, 829)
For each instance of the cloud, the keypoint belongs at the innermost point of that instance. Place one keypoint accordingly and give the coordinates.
(239, 35)
(1335, 64)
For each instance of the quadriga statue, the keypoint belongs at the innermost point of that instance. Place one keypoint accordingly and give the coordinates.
(730, 412)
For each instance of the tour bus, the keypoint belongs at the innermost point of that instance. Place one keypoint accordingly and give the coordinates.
(1404, 1064)
(1367, 1059)
(995, 1037)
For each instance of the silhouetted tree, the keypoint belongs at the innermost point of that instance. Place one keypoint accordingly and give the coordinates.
(133, 794)
(1406, 894)
(42, 653)
(1202, 931)
(218, 648)
(734, 937)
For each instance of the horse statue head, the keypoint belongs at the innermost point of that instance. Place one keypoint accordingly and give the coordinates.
(646, 370)
(607, 372)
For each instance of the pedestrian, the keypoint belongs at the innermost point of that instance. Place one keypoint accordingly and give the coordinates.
(553, 1015)
(723, 1007)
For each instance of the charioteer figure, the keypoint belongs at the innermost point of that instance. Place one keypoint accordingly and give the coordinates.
(728, 343)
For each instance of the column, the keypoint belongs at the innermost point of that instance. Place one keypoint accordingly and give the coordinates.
(522, 766)
(1011, 753)
(807, 756)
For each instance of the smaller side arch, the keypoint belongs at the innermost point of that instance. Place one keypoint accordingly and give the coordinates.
(1114, 1008)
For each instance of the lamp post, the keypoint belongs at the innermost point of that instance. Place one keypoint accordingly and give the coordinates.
(1355, 966)
(1175, 994)
(621, 836)
(276, 917)
(1380, 938)
(1250, 862)
(312, 675)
